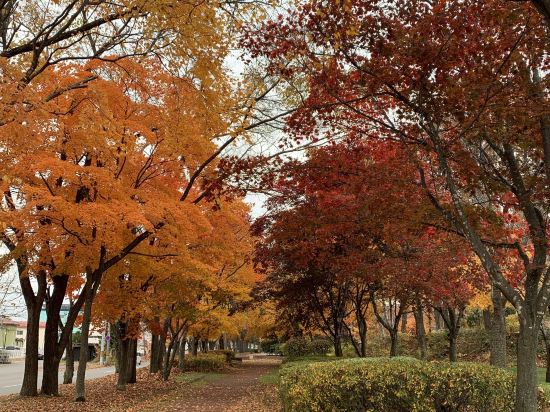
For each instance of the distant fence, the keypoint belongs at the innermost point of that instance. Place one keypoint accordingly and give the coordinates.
(6, 355)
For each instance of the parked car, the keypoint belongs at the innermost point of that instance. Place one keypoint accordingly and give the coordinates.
(40, 356)
(138, 358)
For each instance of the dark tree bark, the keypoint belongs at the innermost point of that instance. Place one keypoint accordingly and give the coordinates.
(33, 302)
(391, 322)
(452, 319)
(334, 298)
(498, 330)
(155, 353)
(162, 344)
(52, 358)
(526, 397)
(132, 361)
(80, 389)
(123, 355)
(420, 330)
(172, 348)
(69, 362)
(195, 344)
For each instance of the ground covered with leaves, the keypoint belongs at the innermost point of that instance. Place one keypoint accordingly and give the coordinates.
(240, 388)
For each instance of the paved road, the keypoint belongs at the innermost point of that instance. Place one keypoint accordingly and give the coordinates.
(11, 375)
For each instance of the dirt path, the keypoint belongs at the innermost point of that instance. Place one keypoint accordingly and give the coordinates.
(238, 390)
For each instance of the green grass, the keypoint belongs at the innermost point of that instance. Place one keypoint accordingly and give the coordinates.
(270, 378)
(198, 378)
(541, 375)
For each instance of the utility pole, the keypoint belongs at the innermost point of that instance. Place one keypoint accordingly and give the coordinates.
(108, 339)
(102, 356)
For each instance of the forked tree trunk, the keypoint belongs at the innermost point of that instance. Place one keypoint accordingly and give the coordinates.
(391, 325)
(452, 319)
(34, 305)
(52, 358)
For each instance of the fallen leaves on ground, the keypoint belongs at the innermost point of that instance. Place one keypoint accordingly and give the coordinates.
(238, 389)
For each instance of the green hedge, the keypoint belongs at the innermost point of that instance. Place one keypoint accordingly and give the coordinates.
(298, 347)
(229, 354)
(205, 362)
(396, 384)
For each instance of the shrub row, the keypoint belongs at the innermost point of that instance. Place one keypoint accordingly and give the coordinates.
(229, 354)
(205, 362)
(298, 347)
(397, 384)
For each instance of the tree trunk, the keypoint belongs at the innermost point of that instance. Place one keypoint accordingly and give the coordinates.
(162, 344)
(404, 323)
(338, 346)
(69, 362)
(452, 319)
(132, 361)
(363, 339)
(30, 376)
(34, 305)
(80, 389)
(526, 386)
(452, 346)
(547, 346)
(124, 349)
(498, 330)
(420, 331)
(487, 319)
(181, 353)
(52, 359)
(155, 344)
(393, 343)
(195, 341)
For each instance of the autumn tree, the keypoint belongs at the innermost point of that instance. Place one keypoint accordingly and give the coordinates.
(467, 92)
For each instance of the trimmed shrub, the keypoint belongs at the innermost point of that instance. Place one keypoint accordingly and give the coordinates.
(229, 354)
(205, 362)
(395, 384)
(299, 347)
(319, 346)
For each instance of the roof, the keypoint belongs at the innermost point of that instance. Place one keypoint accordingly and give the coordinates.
(23, 324)
(8, 321)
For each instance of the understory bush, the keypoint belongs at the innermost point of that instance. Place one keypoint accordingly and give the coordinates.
(205, 362)
(298, 347)
(395, 384)
(229, 354)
